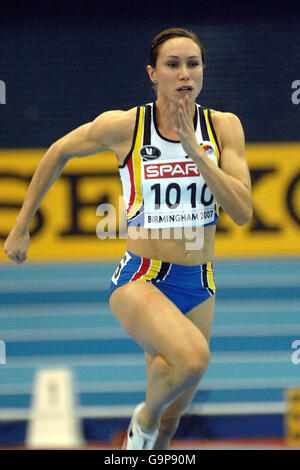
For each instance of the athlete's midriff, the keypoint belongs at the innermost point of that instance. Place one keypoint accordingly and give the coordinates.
(180, 246)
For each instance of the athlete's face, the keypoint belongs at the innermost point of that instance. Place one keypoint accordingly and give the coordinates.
(179, 69)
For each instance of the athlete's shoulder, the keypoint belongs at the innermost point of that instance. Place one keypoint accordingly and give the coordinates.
(222, 118)
(119, 116)
(116, 125)
(228, 128)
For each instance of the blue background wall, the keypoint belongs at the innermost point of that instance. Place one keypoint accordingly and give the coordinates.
(65, 64)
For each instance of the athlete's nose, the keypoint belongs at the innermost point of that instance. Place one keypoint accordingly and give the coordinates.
(184, 73)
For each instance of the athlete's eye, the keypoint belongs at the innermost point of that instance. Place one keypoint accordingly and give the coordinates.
(194, 64)
(172, 64)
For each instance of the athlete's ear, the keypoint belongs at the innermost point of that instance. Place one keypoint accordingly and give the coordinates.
(151, 72)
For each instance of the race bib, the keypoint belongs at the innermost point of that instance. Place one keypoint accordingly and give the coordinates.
(175, 195)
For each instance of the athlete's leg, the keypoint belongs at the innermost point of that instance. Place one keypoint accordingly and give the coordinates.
(171, 417)
(202, 317)
(180, 351)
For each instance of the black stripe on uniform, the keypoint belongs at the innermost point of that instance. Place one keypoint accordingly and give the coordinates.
(162, 273)
(204, 131)
(205, 279)
(213, 130)
(147, 125)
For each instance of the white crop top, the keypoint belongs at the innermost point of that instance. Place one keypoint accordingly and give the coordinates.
(162, 186)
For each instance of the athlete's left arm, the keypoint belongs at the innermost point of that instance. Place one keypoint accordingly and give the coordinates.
(230, 183)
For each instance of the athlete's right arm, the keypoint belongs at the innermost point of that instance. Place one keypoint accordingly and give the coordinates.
(94, 137)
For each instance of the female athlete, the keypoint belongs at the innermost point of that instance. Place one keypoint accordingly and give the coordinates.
(178, 163)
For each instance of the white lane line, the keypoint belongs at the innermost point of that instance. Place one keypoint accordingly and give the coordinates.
(125, 411)
(116, 332)
(102, 283)
(124, 386)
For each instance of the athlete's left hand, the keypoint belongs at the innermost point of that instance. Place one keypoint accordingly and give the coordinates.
(186, 130)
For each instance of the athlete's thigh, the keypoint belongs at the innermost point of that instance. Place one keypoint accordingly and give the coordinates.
(154, 321)
(202, 316)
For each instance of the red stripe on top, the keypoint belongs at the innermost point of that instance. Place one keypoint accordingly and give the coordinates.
(142, 269)
(132, 191)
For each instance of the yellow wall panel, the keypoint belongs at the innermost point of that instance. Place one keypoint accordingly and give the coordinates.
(65, 225)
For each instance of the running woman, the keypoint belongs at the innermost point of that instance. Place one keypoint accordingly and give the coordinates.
(178, 163)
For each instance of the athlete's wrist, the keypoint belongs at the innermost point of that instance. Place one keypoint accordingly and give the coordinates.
(21, 224)
(198, 154)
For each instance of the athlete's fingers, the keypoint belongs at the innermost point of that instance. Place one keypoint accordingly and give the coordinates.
(185, 131)
(179, 132)
(183, 119)
(184, 114)
(22, 256)
(17, 257)
(186, 107)
(186, 125)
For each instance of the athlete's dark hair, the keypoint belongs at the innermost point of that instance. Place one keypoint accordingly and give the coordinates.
(169, 34)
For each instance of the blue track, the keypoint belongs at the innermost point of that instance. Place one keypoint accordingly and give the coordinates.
(58, 315)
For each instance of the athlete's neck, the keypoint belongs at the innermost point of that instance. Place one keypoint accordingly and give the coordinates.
(167, 116)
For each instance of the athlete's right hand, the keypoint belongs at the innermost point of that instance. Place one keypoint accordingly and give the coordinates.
(17, 244)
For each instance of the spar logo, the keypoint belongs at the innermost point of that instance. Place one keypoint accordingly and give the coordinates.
(170, 170)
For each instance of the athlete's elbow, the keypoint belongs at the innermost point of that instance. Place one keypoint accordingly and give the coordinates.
(59, 150)
(244, 217)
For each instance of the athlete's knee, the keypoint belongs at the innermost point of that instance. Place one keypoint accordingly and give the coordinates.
(195, 360)
(203, 356)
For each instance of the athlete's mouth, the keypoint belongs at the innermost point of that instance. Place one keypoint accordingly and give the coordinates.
(185, 88)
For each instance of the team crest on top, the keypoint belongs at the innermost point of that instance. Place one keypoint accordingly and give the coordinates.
(208, 146)
(149, 152)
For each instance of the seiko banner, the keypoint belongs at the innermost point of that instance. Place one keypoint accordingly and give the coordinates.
(82, 216)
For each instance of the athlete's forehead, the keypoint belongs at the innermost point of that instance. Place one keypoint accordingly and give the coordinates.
(179, 47)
